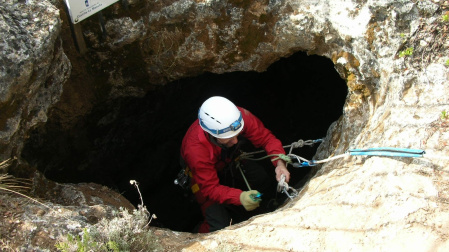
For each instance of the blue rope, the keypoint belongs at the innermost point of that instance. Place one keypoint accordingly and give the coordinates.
(387, 151)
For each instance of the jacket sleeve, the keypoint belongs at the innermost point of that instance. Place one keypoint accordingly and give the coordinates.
(200, 156)
(206, 177)
(260, 137)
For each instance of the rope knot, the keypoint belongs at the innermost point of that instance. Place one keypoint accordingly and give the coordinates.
(298, 144)
(285, 158)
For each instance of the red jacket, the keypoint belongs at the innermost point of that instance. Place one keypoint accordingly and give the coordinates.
(202, 157)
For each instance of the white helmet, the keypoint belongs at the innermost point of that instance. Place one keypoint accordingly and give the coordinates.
(220, 117)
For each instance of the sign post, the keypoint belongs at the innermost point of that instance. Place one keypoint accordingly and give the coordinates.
(79, 10)
(82, 9)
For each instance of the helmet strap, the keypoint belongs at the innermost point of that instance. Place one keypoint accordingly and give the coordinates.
(214, 141)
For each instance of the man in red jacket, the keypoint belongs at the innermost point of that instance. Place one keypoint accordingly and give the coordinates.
(219, 126)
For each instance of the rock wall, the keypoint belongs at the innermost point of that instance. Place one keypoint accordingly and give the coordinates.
(395, 99)
(33, 69)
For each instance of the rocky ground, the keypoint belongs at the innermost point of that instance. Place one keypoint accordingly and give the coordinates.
(48, 214)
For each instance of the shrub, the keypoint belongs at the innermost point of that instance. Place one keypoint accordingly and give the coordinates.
(125, 231)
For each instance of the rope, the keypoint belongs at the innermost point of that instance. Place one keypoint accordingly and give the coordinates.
(387, 151)
(282, 186)
(378, 151)
(307, 163)
(300, 143)
(247, 157)
(302, 162)
(243, 175)
(297, 144)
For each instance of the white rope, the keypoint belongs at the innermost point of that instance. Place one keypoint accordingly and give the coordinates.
(298, 157)
(331, 158)
(297, 144)
(319, 161)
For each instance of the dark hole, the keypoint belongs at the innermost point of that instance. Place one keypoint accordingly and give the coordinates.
(296, 98)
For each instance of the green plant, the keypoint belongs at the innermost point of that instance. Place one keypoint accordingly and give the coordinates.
(444, 115)
(113, 246)
(447, 62)
(406, 52)
(86, 243)
(80, 244)
(445, 18)
(404, 37)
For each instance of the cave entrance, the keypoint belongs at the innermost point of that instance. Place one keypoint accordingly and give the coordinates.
(296, 98)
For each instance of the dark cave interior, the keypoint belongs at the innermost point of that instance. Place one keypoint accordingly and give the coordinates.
(296, 98)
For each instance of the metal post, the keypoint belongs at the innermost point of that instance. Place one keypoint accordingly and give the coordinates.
(125, 4)
(77, 33)
(104, 33)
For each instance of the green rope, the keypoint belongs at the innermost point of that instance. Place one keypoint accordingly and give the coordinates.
(247, 157)
(243, 175)
(278, 156)
(284, 157)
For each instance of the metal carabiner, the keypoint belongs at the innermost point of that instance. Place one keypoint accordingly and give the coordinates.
(292, 195)
(283, 187)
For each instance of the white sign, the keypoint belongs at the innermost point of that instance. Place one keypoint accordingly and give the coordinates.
(82, 9)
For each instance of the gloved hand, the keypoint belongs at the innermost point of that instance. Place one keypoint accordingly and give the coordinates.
(249, 201)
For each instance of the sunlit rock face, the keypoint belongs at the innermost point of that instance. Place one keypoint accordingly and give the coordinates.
(392, 55)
